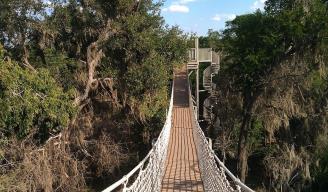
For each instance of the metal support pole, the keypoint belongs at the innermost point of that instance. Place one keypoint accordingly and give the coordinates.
(197, 92)
(197, 77)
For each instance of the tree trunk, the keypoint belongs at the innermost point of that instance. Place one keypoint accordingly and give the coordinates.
(242, 148)
(249, 100)
(94, 55)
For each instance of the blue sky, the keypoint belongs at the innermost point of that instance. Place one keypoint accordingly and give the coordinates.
(200, 15)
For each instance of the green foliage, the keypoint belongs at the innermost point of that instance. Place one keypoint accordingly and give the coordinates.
(212, 40)
(31, 103)
(256, 135)
(61, 67)
(173, 46)
(146, 85)
(141, 60)
(2, 52)
(254, 44)
(17, 23)
(318, 83)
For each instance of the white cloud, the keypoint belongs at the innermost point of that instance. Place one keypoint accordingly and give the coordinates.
(217, 18)
(177, 9)
(258, 4)
(223, 17)
(179, 6)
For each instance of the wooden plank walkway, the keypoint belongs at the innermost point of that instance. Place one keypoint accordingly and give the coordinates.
(182, 169)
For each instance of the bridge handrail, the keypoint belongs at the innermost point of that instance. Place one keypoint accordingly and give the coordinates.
(231, 175)
(125, 179)
(236, 180)
(240, 185)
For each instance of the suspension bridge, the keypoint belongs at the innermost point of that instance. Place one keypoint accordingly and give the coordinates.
(182, 158)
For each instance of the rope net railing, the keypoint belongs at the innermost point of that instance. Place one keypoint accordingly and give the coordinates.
(213, 172)
(147, 175)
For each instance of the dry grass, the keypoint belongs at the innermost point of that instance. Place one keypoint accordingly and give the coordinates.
(286, 166)
(50, 168)
(61, 164)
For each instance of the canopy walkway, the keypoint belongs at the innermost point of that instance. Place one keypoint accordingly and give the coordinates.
(182, 158)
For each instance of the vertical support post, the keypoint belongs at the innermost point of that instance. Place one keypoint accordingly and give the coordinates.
(197, 93)
(196, 49)
(197, 77)
(211, 56)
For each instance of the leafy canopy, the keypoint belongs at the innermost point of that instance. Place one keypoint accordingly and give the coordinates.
(31, 103)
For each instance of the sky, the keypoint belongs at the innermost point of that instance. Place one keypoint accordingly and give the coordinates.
(200, 15)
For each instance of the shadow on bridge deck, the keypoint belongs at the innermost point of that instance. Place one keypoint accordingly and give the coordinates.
(182, 169)
(181, 98)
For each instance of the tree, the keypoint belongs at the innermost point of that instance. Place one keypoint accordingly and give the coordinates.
(19, 24)
(284, 40)
(251, 43)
